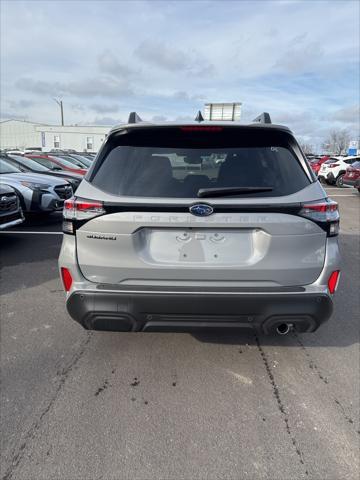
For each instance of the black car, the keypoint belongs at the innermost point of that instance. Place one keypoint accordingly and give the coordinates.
(10, 209)
(26, 164)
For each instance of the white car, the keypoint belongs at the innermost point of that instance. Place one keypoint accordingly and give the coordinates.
(334, 169)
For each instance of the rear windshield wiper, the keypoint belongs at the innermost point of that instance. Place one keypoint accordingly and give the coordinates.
(223, 192)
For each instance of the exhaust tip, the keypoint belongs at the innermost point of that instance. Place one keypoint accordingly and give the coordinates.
(283, 328)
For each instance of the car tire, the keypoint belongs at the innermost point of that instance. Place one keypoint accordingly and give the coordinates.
(328, 182)
(339, 182)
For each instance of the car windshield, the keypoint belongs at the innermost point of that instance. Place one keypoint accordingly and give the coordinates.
(356, 164)
(160, 171)
(7, 167)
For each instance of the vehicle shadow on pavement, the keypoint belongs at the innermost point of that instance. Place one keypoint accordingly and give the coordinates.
(27, 261)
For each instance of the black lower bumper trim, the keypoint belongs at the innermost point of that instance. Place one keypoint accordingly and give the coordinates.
(125, 311)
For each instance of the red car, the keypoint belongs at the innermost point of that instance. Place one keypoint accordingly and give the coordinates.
(352, 176)
(316, 163)
(57, 163)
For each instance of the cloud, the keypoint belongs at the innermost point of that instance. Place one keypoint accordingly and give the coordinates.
(99, 87)
(300, 59)
(105, 121)
(12, 116)
(183, 54)
(182, 95)
(103, 108)
(20, 104)
(349, 114)
(172, 59)
(108, 63)
(159, 118)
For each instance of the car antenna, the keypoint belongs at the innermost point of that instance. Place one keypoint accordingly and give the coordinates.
(199, 118)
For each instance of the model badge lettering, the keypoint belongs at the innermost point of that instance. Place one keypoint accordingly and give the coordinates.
(101, 237)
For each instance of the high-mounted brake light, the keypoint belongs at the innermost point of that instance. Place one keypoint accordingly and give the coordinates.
(201, 129)
(66, 278)
(325, 213)
(333, 281)
(80, 210)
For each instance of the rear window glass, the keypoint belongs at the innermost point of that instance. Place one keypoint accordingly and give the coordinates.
(180, 172)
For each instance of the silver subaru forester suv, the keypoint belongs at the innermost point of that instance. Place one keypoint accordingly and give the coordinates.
(181, 227)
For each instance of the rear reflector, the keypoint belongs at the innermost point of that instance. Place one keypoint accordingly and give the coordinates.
(66, 278)
(333, 281)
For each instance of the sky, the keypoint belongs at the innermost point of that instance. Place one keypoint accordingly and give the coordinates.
(296, 59)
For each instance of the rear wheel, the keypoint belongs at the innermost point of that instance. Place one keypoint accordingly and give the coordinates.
(328, 182)
(340, 181)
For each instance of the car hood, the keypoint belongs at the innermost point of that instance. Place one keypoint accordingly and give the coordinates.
(17, 178)
(63, 174)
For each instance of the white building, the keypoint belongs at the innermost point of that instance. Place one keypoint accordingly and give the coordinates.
(20, 134)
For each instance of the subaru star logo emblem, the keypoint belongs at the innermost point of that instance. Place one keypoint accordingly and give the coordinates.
(201, 210)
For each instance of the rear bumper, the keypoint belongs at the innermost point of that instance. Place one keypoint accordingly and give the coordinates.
(182, 311)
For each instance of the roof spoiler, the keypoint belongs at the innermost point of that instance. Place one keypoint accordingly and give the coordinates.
(263, 118)
(134, 118)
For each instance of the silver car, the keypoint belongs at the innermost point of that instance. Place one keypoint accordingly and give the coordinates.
(10, 209)
(159, 238)
(37, 193)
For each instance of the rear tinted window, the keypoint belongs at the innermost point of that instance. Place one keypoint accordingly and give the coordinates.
(179, 171)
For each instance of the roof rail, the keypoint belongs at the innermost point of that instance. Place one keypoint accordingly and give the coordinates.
(134, 118)
(263, 118)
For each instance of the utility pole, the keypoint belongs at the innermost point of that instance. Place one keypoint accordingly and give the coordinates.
(60, 103)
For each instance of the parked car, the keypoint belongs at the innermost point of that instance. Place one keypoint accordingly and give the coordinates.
(75, 160)
(352, 176)
(62, 163)
(333, 170)
(37, 193)
(10, 208)
(316, 163)
(251, 243)
(27, 164)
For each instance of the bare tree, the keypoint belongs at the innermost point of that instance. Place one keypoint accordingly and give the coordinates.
(337, 142)
(307, 148)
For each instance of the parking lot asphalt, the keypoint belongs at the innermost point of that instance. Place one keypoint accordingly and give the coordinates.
(81, 405)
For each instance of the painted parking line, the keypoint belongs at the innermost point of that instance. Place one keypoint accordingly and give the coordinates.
(19, 232)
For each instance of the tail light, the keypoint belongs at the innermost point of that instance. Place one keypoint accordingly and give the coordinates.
(325, 213)
(77, 211)
(333, 165)
(333, 281)
(66, 278)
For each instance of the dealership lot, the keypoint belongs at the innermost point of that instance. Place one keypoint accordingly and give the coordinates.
(80, 405)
